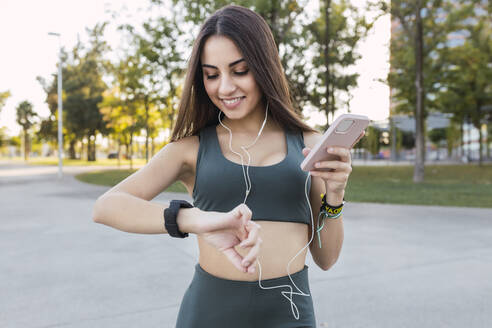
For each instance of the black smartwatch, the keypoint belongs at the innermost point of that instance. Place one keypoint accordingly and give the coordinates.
(170, 216)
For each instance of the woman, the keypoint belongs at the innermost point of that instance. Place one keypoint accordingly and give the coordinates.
(237, 146)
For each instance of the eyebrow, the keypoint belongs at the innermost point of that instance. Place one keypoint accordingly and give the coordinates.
(230, 65)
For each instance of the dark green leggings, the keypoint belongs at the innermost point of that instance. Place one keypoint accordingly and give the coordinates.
(213, 302)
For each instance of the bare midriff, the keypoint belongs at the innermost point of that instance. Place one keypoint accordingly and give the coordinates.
(281, 242)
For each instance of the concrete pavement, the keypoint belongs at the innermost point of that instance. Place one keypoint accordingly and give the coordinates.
(401, 266)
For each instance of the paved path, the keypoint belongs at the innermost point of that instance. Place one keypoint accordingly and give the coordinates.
(401, 266)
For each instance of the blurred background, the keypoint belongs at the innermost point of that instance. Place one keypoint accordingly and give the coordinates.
(421, 71)
(417, 243)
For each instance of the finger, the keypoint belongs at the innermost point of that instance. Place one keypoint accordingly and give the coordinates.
(254, 231)
(334, 165)
(235, 258)
(242, 215)
(335, 176)
(245, 212)
(306, 151)
(343, 153)
(252, 267)
(245, 220)
(250, 258)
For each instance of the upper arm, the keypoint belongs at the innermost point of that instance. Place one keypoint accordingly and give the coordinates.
(171, 163)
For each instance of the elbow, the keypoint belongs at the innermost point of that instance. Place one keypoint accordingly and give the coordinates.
(325, 266)
(97, 211)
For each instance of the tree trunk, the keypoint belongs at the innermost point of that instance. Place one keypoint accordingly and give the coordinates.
(93, 148)
(489, 139)
(88, 148)
(152, 147)
(118, 154)
(480, 146)
(71, 149)
(418, 172)
(146, 130)
(462, 144)
(326, 54)
(131, 150)
(480, 135)
(26, 146)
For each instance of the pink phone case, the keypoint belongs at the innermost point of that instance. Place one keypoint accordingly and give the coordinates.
(344, 132)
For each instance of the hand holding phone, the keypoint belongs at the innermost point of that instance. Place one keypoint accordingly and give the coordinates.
(343, 132)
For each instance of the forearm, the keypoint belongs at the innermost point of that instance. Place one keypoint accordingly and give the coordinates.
(126, 212)
(331, 236)
(331, 242)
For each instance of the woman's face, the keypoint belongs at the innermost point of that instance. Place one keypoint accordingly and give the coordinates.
(227, 79)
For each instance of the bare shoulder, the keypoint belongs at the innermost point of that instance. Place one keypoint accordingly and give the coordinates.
(311, 138)
(187, 147)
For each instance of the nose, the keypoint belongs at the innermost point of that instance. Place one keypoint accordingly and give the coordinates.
(227, 86)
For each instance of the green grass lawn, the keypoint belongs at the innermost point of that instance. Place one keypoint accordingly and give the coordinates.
(453, 185)
(77, 162)
(112, 177)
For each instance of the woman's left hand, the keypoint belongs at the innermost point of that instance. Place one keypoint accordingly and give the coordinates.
(335, 173)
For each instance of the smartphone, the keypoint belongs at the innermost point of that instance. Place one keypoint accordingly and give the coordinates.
(343, 132)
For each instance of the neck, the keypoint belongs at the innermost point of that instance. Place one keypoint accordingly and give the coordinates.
(248, 125)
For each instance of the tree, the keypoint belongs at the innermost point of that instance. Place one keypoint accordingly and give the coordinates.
(467, 78)
(334, 36)
(371, 140)
(25, 118)
(421, 27)
(154, 72)
(286, 19)
(48, 129)
(436, 136)
(83, 87)
(116, 120)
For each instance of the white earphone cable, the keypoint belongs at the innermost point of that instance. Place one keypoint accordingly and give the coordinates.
(288, 295)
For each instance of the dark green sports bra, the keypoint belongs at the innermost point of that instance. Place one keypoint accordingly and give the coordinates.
(277, 192)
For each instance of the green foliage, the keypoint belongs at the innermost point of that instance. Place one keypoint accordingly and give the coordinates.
(25, 118)
(334, 36)
(3, 98)
(83, 86)
(437, 135)
(371, 140)
(3, 136)
(439, 20)
(287, 20)
(453, 137)
(149, 77)
(14, 141)
(25, 115)
(48, 126)
(468, 76)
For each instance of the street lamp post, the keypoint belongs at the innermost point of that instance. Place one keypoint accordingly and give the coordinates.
(60, 108)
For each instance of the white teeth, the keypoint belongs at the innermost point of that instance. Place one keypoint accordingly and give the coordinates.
(231, 101)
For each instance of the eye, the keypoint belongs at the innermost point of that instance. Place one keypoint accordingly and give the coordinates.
(211, 77)
(242, 72)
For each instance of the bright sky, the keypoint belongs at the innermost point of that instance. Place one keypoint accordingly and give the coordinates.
(27, 51)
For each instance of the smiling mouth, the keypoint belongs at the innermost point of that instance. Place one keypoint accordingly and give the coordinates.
(232, 101)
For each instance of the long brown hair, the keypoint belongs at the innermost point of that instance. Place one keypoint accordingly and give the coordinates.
(253, 37)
